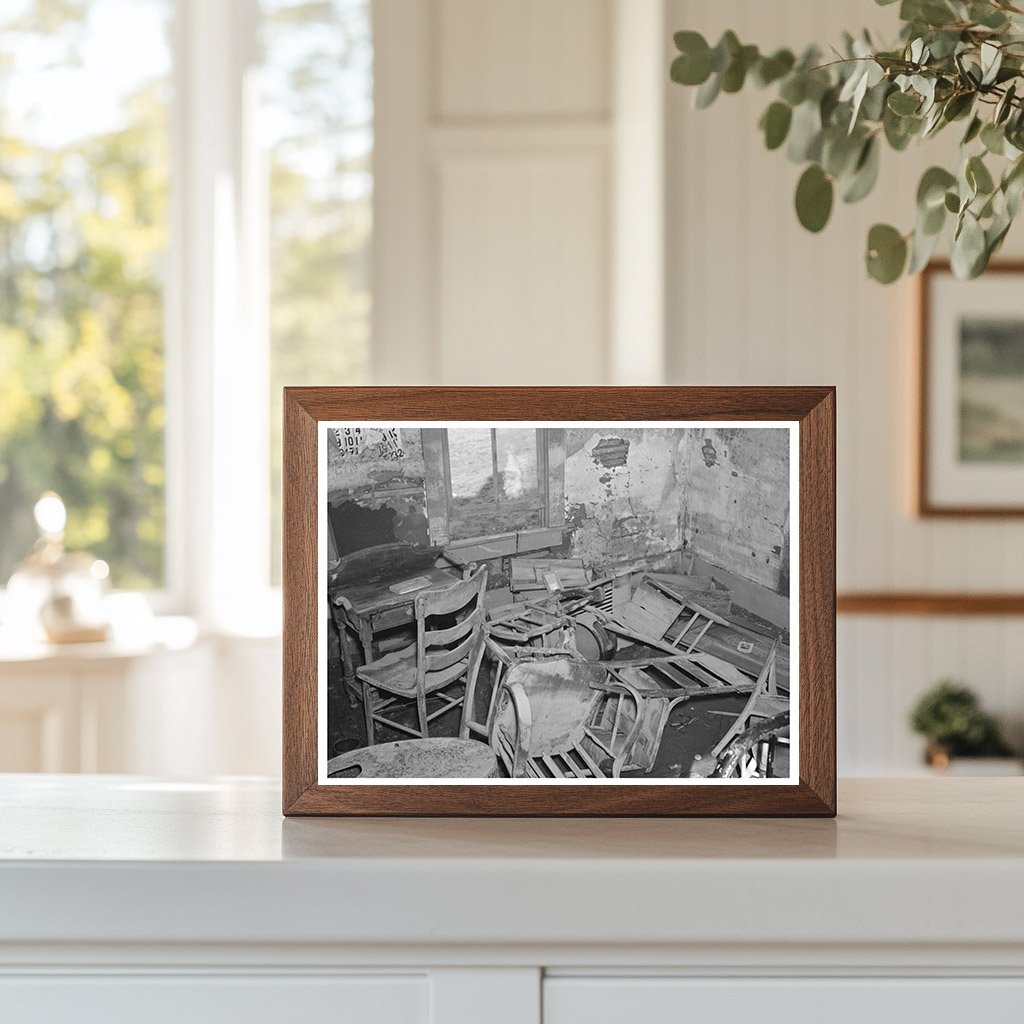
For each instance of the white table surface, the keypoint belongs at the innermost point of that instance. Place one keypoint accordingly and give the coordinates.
(123, 859)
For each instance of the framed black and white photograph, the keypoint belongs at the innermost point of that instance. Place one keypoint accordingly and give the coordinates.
(529, 609)
(971, 393)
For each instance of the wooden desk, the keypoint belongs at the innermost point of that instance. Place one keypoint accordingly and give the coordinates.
(368, 609)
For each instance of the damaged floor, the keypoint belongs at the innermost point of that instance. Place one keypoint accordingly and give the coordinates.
(693, 727)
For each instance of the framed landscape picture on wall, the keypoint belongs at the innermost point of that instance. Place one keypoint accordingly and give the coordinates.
(970, 451)
(578, 601)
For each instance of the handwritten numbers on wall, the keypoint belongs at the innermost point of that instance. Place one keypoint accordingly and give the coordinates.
(375, 442)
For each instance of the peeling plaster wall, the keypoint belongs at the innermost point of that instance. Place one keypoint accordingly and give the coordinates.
(622, 501)
(639, 497)
(735, 501)
(376, 495)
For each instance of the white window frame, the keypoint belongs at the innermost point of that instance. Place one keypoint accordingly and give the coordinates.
(217, 354)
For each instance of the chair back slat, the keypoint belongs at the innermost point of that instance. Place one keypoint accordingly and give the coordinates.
(446, 650)
(443, 637)
(442, 677)
(452, 599)
(437, 658)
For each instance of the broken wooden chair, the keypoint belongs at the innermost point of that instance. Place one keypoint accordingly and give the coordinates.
(527, 624)
(445, 657)
(765, 702)
(559, 719)
(751, 753)
(654, 609)
(504, 656)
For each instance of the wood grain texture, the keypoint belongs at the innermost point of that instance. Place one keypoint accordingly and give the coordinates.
(812, 407)
(924, 603)
(924, 506)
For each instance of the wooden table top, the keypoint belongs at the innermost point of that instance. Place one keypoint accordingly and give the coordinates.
(367, 598)
(434, 758)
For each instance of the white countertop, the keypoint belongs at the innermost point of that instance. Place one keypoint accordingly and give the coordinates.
(120, 859)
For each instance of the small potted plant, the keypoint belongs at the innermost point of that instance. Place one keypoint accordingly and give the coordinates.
(950, 718)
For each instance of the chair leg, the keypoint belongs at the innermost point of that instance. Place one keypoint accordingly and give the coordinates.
(421, 708)
(368, 712)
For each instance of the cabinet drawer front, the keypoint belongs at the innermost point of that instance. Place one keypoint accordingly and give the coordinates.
(202, 999)
(783, 1000)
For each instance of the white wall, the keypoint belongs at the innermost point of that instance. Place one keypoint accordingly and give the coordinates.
(754, 299)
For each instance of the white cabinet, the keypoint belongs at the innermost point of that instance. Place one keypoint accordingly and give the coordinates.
(204, 999)
(828, 1000)
(133, 899)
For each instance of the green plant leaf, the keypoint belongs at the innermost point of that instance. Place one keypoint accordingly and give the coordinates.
(693, 65)
(973, 130)
(931, 191)
(814, 196)
(771, 69)
(922, 247)
(707, 93)
(978, 176)
(775, 124)
(886, 254)
(904, 103)
(794, 88)
(805, 133)
(991, 57)
(865, 174)
(839, 151)
(725, 50)
(1005, 105)
(934, 184)
(987, 15)
(968, 255)
(993, 138)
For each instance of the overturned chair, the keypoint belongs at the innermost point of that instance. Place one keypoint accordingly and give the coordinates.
(561, 719)
(443, 664)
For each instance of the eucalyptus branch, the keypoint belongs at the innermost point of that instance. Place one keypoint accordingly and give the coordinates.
(955, 59)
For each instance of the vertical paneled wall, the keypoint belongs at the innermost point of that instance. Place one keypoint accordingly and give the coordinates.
(509, 133)
(753, 299)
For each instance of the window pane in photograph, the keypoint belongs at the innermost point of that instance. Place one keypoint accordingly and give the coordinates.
(494, 482)
(83, 236)
(317, 127)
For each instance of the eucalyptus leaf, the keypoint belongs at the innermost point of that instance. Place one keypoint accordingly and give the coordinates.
(978, 176)
(707, 93)
(993, 138)
(922, 247)
(771, 69)
(724, 51)
(903, 103)
(886, 253)
(987, 15)
(805, 133)
(973, 130)
(865, 173)
(775, 124)
(968, 248)
(991, 61)
(814, 196)
(931, 191)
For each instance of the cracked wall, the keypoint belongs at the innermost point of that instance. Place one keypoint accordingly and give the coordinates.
(637, 497)
(375, 489)
(622, 496)
(734, 501)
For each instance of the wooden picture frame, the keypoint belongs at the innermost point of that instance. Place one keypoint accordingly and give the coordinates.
(809, 414)
(936, 477)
